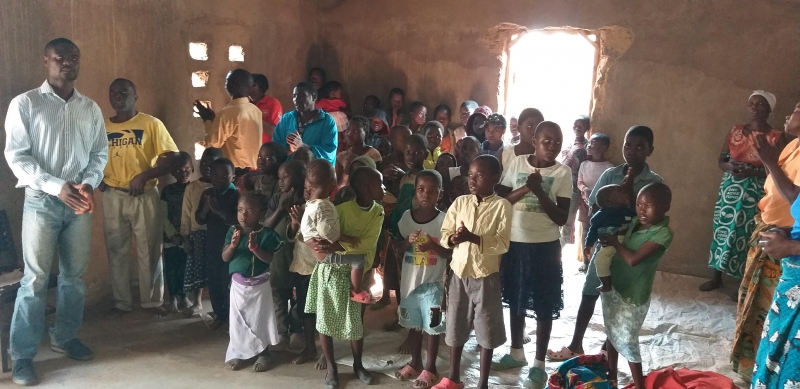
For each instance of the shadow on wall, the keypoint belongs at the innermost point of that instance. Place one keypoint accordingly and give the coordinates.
(325, 56)
(480, 93)
(380, 77)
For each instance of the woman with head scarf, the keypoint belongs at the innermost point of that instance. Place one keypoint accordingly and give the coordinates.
(741, 187)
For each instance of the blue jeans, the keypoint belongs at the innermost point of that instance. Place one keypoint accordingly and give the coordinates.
(48, 223)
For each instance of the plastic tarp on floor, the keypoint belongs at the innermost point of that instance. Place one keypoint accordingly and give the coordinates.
(684, 328)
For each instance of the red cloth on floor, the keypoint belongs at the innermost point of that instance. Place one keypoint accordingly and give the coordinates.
(670, 378)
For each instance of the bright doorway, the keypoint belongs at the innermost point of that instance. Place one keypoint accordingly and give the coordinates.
(552, 70)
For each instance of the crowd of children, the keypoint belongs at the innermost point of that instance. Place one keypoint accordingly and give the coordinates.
(290, 249)
(294, 215)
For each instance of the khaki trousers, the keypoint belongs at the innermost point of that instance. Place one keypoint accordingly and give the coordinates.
(140, 218)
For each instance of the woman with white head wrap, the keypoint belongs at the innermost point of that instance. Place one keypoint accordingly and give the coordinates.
(741, 188)
(737, 218)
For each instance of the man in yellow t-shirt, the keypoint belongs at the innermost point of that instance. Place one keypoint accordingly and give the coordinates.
(139, 151)
(237, 128)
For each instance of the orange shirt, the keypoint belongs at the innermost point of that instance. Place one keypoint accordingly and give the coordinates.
(236, 130)
(447, 143)
(775, 208)
(271, 112)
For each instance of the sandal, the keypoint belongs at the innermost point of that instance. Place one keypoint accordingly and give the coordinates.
(562, 355)
(361, 297)
(425, 380)
(507, 362)
(406, 373)
(446, 383)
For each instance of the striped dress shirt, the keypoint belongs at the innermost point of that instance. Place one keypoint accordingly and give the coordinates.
(50, 141)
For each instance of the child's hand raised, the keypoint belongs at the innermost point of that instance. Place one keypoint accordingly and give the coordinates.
(428, 245)
(237, 235)
(286, 200)
(627, 181)
(252, 243)
(464, 235)
(212, 203)
(392, 172)
(412, 237)
(295, 214)
(534, 182)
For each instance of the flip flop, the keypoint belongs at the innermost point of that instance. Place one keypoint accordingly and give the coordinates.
(562, 355)
(406, 373)
(426, 379)
(507, 362)
(446, 383)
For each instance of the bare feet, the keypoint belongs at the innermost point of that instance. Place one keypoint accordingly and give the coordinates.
(262, 363)
(322, 363)
(308, 355)
(173, 305)
(235, 364)
(187, 303)
(525, 340)
(189, 312)
(711, 285)
(332, 379)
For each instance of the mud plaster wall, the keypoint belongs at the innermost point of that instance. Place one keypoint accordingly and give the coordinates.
(687, 75)
(145, 41)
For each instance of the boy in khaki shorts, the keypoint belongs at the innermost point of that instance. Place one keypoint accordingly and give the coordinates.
(477, 227)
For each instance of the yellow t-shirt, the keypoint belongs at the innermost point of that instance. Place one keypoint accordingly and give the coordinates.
(133, 147)
(433, 156)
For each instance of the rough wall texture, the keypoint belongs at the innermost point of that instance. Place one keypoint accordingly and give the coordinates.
(146, 41)
(687, 74)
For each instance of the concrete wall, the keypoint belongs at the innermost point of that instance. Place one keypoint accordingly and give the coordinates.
(146, 41)
(687, 75)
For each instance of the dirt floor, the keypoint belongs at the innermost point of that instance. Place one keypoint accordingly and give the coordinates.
(685, 328)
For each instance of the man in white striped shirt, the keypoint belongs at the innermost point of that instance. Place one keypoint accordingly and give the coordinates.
(56, 146)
